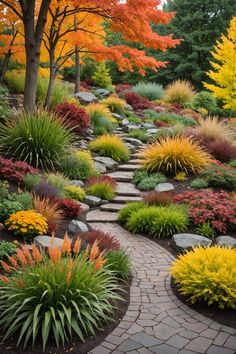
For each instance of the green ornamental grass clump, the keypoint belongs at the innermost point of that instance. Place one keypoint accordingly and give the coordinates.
(145, 181)
(126, 212)
(139, 134)
(102, 190)
(110, 146)
(149, 90)
(119, 263)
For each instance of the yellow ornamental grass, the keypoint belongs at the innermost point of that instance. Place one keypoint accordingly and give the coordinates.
(212, 128)
(27, 223)
(179, 91)
(208, 275)
(174, 155)
(101, 110)
(110, 146)
(115, 104)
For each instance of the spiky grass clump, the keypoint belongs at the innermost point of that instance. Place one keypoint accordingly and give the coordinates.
(101, 190)
(126, 212)
(110, 146)
(115, 104)
(214, 129)
(101, 117)
(179, 91)
(76, 294)
(207, 275)
(78, 165)
(39, 138)
(173, 155)
(139, 134)
(57, 180)
(119, 263)
(149, 90)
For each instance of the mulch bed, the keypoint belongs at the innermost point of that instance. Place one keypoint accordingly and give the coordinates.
(75, 346)
(226, 317)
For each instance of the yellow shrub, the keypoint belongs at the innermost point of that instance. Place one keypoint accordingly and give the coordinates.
(87, 157)
(75, 192)
(96, 109)
(179, 91)
(110, 146)
(115, 104)
(207, 274)
(212, 128)
(27, 223)
(173, 155)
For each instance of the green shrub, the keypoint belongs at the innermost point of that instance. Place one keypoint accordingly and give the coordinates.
(25, 199)
(101, 190)
(119, 263)
(233, 163)
(31, 181)
(110, 146)
(9, 207)
(173, 119)
(206, 230)
(39, 138)
(158, 221)
(7, 249)
(205, 100)
(220, 177)
(76, 167)
(145, 181)
(101, 76)
(199, 183)
(75, 192)
(134, 119)
(5, 109)
(139, 134)
(57, 180)
(125, 213)
(149, 90)
(207, 275)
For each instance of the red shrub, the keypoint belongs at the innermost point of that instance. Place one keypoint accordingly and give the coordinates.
(222, 150)
(103, 179)
(217, 208)
(15, 170)
(106, 242)
(137, 101)
(70, 208)
(75, 117)
(53, 227)
(158, 198)
(158, 109)
(161, 124)
(121, 88)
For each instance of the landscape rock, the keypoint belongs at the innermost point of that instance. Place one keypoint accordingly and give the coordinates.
(130, 147)
(86, 97)
(102, 92)
(77, 183)
(107, 161)
(84, 207)
(132, 126)
(117, 116)
(185, 242)
(124, 122)
(164, 187)
(76, 226)
(226, 241)
(148, 125)
(44, 242)
(92, 201)
(129, 107)
(152, 131)
(100, 167)
(134, 141)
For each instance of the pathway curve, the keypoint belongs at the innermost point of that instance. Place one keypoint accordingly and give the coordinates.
(156, 320)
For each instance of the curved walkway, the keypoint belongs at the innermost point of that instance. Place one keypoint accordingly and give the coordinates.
(156, 321)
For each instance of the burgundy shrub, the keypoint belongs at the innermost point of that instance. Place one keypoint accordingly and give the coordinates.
(222, 150)
(15, 170)
(106, 242)
(75, 117)
(160, 124)
(158, 198)
(137, 101)
(69, 207)
(122, 88)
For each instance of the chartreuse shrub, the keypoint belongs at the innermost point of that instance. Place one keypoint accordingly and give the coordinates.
(115, 104)
(110, 146)
(119, 263)
(207, 275)
(163, 221)
(102, 76)
(126, 212)
(179, 91)
(78, 165)
(173, 155)
(149, 90)
(75, 192)
(39, 138)
(102, 187)
(27, 223)
(101, 117)
(139, 134)
(57, 296)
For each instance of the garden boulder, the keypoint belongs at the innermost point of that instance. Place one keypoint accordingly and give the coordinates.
(185, 242)
(107, 161)
(226, 241)
(44, 242)
(86, 97)
(76, 226)
(164, 187)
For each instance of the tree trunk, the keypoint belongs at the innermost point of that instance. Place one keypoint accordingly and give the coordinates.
(4, 66)
(52, 77)
(77, 70)
(31, 80)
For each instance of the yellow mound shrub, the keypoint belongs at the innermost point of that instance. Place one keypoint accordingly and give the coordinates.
(179, 91)
(110, 146)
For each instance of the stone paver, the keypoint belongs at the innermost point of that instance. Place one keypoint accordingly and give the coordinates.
(156, 321)
(122, 176)
(127, 189)
(129, 167)
(125, 199)
(99, 215)
(112, 207)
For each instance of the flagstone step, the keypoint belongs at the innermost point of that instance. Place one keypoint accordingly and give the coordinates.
(128, 167)
(112, 207)
(122, 176)
(134, 161)
(127, 189)
(126, 199)
(101, 216)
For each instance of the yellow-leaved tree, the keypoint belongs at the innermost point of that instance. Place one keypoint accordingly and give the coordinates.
(223, 71)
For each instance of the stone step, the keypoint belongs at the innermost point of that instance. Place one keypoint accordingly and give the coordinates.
(128, 167)
(126, 199)
(134, 161)
(112, 207)
(122, 176)
(127, 189)
(101, 216)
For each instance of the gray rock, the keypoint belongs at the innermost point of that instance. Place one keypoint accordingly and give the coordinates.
(133, 141)
(86, 97)
(44, 242)
(92, 201)
(102, 92)
(148, 125)
(84, 207)
(124, 122)
(77, 183)
(117, 116)
(152, 131)
(107, 161)
(164, 187)
(100, 167)
(226, 241)
(130, 147)
(76, 226)
(185, 242)
(129, 107)
(132, 127)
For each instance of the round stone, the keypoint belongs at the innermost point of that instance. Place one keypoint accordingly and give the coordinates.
(164, 187)
(76, 226)
(227, 241)
(185, 242)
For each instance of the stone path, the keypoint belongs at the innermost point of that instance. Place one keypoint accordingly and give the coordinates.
(156, 321)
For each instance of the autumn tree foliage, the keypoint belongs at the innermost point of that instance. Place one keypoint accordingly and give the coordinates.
(52, 22)
(223, 71)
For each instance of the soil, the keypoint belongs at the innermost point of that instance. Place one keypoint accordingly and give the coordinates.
(226, 317)
(75, 345)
